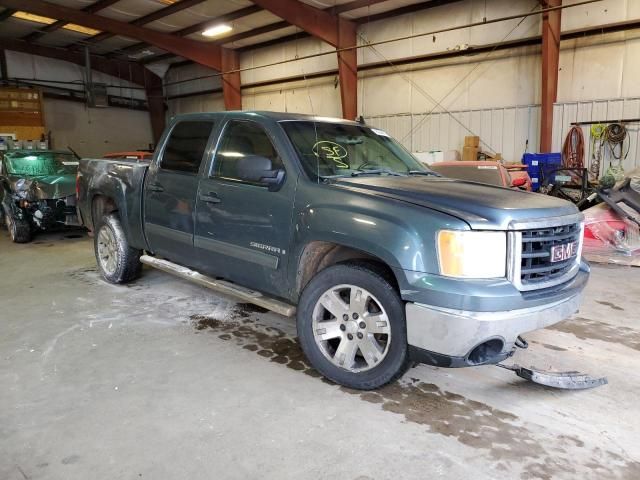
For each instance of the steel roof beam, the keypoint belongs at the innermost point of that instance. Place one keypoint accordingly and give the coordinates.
(199, 27)
(205, 54)
(151, 17)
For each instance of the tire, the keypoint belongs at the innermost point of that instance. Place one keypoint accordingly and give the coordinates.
(376, 352)
(19, 229)
(117, 261)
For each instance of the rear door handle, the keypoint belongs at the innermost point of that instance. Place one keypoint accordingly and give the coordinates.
(155, 187)
(210, 197)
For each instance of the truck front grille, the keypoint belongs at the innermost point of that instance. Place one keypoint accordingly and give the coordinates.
(531, 265)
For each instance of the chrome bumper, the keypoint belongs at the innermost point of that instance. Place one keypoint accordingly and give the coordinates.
(455, 333)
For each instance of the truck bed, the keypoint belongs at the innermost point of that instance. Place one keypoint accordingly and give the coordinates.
(122, 182)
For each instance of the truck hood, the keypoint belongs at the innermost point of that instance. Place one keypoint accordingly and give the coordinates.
(48, 187)
(483, 207)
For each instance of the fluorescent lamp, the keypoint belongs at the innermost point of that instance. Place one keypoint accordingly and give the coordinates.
(217, 30)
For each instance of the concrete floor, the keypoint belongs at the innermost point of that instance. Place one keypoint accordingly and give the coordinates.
(165, 380)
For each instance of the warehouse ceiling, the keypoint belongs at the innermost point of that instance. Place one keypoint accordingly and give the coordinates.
(249, 26)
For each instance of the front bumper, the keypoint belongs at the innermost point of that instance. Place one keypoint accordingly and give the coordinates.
(458, 338)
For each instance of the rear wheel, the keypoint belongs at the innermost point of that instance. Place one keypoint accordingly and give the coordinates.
(117, 260)
(19, 229)
(351, 326)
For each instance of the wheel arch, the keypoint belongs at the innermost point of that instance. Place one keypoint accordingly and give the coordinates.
(101, 205)
(316, 255)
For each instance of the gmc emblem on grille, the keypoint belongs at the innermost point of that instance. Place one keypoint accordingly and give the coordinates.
(564, 251)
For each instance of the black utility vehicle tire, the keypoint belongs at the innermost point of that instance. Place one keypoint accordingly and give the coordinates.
(19, 229)
(362, 276)
(117, 261)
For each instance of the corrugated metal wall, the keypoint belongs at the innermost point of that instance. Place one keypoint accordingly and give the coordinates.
(604, 111)
(506, 130)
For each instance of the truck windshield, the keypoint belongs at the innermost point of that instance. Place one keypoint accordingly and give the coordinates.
(329, 150)
(36, 163)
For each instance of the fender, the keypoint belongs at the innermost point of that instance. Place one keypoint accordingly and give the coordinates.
(122, 184)
(400, 234)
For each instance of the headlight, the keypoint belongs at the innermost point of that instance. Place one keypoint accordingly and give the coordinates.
(469, 254)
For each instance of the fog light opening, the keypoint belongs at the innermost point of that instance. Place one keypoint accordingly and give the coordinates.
(485, 352)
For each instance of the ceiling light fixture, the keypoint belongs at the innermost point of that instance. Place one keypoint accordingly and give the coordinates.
(217, 30)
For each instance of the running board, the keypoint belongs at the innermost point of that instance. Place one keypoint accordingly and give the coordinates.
(221, 286)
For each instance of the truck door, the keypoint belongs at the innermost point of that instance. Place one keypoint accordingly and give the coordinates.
(170, 191)
(243, 228)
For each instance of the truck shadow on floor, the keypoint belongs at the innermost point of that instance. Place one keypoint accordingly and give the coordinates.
(504, 437)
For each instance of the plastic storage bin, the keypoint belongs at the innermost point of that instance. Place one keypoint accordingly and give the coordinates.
(539, 164)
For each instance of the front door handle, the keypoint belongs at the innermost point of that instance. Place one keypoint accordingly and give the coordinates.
(210, 197)
(155, 187)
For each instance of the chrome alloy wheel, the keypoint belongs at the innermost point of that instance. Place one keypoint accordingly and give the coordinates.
(351, 328)
(107, 250)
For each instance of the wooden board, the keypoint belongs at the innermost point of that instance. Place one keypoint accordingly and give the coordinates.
(23, 132)
(20, 107)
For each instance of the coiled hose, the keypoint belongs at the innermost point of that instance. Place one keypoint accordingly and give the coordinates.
(573, 149)
(615, 134)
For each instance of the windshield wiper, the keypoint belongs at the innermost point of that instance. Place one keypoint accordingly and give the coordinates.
(377, 171)
(426, 173)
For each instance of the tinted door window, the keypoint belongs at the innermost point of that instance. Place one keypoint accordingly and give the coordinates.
(186, 145)
(242, 139)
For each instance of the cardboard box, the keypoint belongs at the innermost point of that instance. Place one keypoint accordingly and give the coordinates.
(470, 153)
(471, 141)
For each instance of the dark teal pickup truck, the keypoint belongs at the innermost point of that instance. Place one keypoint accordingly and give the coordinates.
(383, 261)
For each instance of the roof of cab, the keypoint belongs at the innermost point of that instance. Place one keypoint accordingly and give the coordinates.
(276, 116)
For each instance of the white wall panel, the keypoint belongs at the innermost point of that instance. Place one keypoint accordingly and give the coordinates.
(599, 13)
(32, 67)
(505, 130)
(297, 48)
(495, 96)
(187, 72)
(92, 132)
(201, 103)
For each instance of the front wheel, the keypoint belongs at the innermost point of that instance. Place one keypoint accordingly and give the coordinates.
(351, 326)
(19, 228)
(117, 260)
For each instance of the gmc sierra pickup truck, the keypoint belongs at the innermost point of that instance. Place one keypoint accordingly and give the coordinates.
(383, 261)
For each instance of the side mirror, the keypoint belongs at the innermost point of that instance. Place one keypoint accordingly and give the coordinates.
(257, 169)
(519, 182)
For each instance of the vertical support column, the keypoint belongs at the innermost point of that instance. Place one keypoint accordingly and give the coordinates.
(348, 68)
(231, 81)
(155, 103)
(550, 64)
(4, 71)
